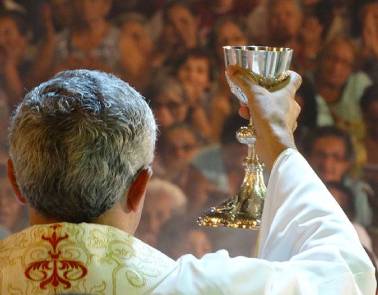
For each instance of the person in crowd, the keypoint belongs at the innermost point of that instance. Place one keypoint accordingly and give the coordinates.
(209, 13)
(330, 152)
(284, 24)
(14, 60)
(369, 37)
(227, 31)
(311, 41)
(182, 143)
(179, 32)
(91, 41)
(168, 102)
(136, 51)
(256, 22)
(188, 237)
(163, 200)
(193, 71)
(81, 145)
(62, 14)
(369, 107)
(345, 198)
(339, 89)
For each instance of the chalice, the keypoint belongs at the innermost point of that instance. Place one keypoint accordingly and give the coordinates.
(268, 67)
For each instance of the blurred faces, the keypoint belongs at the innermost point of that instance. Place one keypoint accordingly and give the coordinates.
(62, 12)
(370, 28)
(134, 31)
(92, 10)
(135, 47)
(328, 158)
(180, 28)
(10, 210)
(229, 33)
(337, 64)
(181, 145)
(157, 210)
(170, 108)
(194, 74)
(285, 20)
(12, 42)
(311, 30)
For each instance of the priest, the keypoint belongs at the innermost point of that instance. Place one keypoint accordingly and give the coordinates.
(81, 145)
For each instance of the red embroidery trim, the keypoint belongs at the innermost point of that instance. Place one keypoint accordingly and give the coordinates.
(55, 270)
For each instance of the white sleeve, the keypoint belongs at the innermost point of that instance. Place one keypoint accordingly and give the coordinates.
(305, 229)
(308, 246)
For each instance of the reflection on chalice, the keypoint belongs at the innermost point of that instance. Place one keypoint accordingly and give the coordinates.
(268, 67)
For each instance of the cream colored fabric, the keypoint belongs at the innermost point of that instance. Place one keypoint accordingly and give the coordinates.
(79, 259)
(307, 247)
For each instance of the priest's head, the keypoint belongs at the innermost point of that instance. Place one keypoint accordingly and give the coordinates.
(80, 148)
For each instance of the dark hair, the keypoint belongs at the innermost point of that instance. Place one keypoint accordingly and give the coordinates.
(198, 53)
(19, 20)
(213, 36)
(230, 127)
(173, 3)
(329, 131)
(350, 210)
(370, 95)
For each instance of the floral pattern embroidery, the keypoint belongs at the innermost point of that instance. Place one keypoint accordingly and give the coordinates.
(56, 270)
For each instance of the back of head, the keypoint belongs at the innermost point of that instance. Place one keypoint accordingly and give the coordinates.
(76, 142)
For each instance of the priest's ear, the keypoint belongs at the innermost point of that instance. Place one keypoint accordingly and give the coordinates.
(137, 189)
(13, 181)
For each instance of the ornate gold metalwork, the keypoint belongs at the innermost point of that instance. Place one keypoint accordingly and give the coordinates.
(267, 66)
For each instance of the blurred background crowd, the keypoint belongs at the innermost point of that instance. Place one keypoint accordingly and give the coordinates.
(171, 52)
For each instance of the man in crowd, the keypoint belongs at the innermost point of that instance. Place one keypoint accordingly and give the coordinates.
(330, 153)
(81, 145)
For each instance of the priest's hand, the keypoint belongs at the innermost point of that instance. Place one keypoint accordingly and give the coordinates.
(274, 113)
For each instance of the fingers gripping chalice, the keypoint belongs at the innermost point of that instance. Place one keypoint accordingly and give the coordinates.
(268, 67)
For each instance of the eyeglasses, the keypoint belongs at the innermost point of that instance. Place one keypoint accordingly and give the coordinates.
(333, 156)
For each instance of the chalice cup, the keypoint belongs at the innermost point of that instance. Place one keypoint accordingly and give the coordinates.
(268, 67)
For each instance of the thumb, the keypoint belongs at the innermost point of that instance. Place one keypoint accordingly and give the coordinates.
(295, 82)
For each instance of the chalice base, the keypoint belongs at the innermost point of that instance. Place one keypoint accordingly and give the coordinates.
(227, 215)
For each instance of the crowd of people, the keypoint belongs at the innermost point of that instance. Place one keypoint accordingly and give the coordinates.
(171, 52)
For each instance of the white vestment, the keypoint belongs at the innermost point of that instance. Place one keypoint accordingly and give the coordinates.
(308, 246)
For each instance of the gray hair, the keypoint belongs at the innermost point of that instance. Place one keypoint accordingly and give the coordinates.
(77, 141)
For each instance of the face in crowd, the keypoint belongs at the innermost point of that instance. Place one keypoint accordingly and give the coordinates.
(285, 20)
(194, 74)
(228, 33)
(156, 212)
(336, 64)
(13, 43)
(180, 28)
(169, 105)
(89, 11)
(328, 158)
(181, 145)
